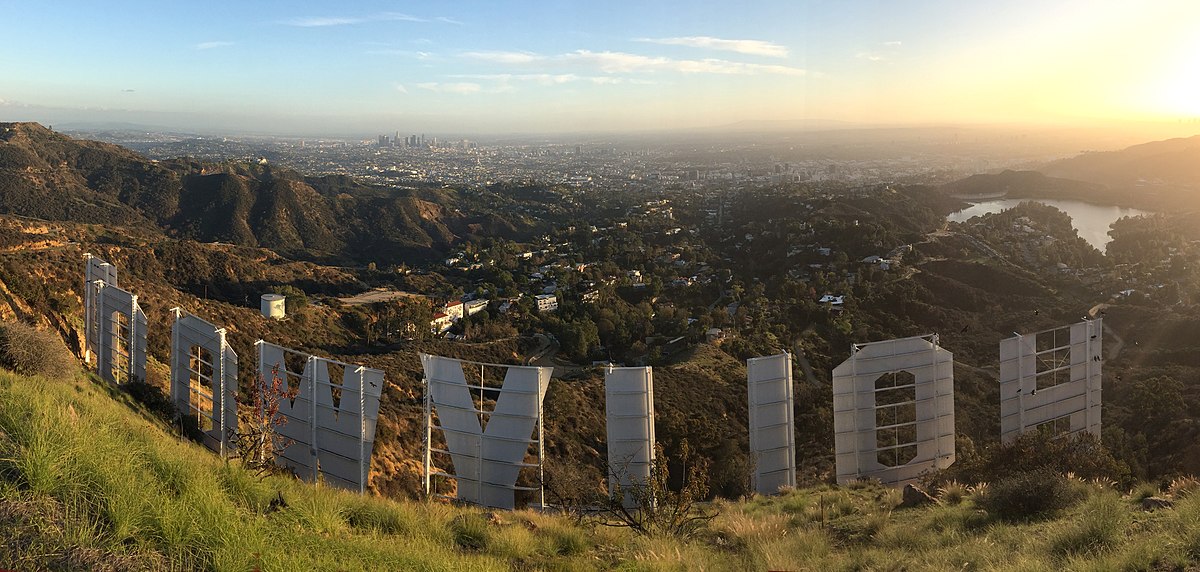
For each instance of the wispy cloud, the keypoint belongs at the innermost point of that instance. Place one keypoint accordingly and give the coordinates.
(449, 20)
(324, 21)
(545, 79)
(399, 87)
(751, 47)
(415, 54)
(212, 45)
(623, 62)
(889, 48)
(458, 88)
(541, 78)
(504, 57)
(320, 21)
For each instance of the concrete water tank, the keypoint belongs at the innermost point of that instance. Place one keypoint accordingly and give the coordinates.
(273, 306)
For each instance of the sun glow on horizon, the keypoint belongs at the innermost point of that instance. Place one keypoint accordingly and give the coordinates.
(1178, 93)
(624, 67)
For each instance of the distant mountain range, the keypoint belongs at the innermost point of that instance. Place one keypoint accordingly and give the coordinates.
(1174, 162)
(1156, 175)
(1018, 184)
(48, 175)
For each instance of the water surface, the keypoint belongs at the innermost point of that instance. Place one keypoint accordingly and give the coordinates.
(1090, 221)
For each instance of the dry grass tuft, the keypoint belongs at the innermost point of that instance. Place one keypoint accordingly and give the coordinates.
(1183, 487)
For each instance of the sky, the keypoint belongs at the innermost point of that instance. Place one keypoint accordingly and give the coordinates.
(367, 67)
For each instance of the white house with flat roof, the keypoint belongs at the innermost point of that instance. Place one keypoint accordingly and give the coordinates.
(546, 302)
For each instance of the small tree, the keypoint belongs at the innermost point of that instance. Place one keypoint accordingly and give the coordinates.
(258, 439)
(573, 488)
(654, 508)
(295, 298)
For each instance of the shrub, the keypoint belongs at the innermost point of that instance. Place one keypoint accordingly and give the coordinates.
(1100, 526)
(1144, 490)
(470, 531)
(656, 509)
(153, 398)
(952, 493)
(1081, 454)
(294, 298)
(370, 513)
(1024, 496)
(1182, 487)
(571, 487)
(569, 541)
(259, 441)
(28, 350)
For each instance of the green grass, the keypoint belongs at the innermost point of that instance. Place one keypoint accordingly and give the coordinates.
(1100, 526)
(88, 482)
(81, 476)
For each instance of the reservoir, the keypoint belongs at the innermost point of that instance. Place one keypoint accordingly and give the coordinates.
(1090, 221)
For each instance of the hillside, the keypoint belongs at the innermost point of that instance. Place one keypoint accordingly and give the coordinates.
(50, 176)
(1021, 184)
(973, 283)
(1173, 162)
(700, 391)
(89, 480)
(758, 276)
(1160, 175)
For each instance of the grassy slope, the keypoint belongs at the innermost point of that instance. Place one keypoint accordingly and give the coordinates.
(88, 482)
(85, 481)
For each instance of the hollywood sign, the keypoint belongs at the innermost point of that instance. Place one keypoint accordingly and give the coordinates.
(893, 410)
(893, 403)
(330, 428)
(489, 448)
(893, 413)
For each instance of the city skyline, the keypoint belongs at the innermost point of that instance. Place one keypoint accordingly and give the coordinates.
(474, 67)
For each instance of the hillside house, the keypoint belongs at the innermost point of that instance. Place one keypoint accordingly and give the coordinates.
(440, 323)
(454, 310)
(475, 306)
(835, 301)
(546, 302)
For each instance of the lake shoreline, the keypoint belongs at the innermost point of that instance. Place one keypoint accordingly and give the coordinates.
(1099, 202)
(1090, 220)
